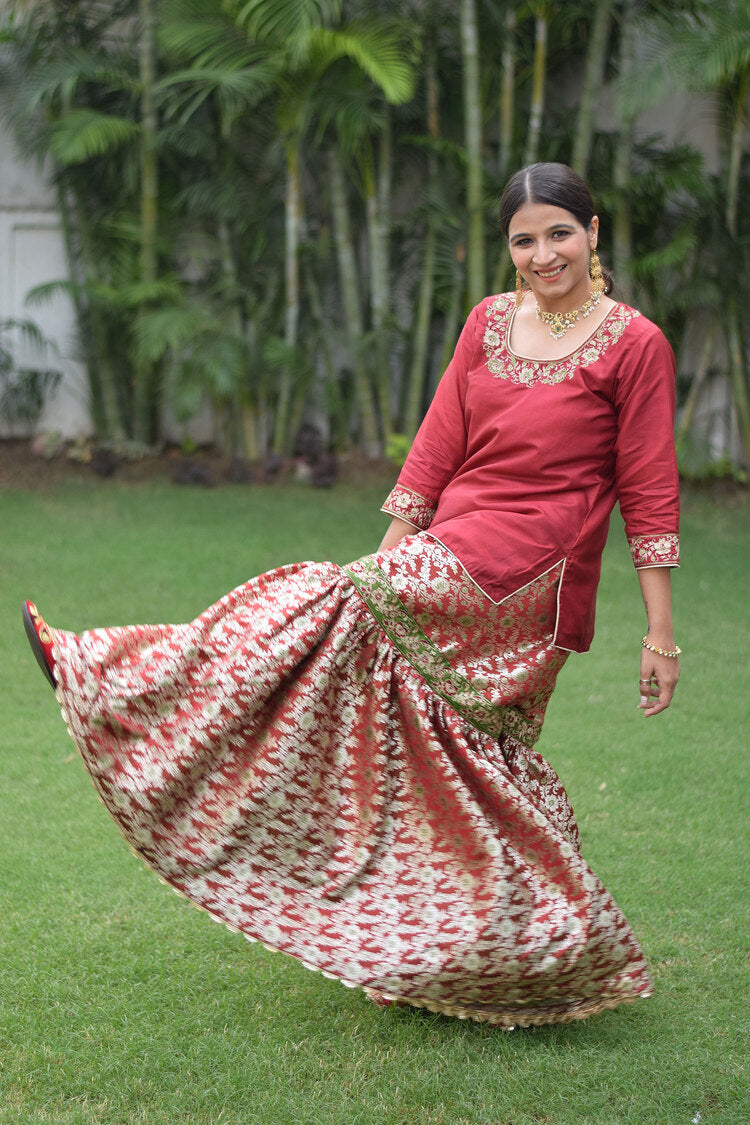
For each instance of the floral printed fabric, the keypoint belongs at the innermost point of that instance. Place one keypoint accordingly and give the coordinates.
(655, 550)
(409, 506)
(332, 763)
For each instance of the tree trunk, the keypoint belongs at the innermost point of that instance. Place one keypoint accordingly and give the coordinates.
(146, 389)
(293, 222)
(593, 77)
(507, 95)
(473, 132)
(738, 375)
(622, 234)
(421, 333)
(236, 428)
(105, 408)
(379, 221)
(453, 316)
(536, 112)
(737, 359)
(352, 305)
(736, 150)
(696, 386)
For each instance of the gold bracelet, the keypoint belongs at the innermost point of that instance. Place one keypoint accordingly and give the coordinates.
(673, 652)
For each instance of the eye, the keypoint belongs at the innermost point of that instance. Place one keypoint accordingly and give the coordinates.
(558, 234)
(522, 242)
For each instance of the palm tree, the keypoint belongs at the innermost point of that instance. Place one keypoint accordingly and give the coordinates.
(708, 49)
(301, 37)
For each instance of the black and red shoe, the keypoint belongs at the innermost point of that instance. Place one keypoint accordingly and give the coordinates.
(40, 639)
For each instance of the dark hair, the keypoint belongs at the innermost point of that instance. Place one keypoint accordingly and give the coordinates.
(555, 184)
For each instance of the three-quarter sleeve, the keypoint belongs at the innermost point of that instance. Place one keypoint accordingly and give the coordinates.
(439, 449)
(646, 464)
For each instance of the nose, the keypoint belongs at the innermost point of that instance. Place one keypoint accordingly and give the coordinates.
(544, 252)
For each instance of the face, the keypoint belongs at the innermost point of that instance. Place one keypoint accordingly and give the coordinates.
(551, 250)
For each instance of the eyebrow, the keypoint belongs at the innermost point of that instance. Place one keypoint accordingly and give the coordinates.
(555, 226)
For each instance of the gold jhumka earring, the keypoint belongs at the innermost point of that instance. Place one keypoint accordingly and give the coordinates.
(598, 284)
(519, 289)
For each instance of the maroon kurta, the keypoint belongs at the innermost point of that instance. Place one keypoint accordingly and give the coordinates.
(519, 462)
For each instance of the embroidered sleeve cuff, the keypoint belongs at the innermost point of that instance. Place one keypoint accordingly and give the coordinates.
(655, 550)
(409, 506)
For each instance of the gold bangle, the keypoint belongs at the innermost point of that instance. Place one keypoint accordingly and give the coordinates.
(673, 652)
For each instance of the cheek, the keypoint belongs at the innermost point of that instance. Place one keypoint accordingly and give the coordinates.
(519, 258)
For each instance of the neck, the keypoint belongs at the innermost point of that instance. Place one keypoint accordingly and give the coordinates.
(566, 304)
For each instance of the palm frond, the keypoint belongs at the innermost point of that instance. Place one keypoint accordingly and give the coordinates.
(138, 293)
(43, 294)
(165, 329)
(60, 77)
(209, 42)
(285, 21)
(29, 335)
(236, 90)
(675, 253)
(85, 133)
(383, 53)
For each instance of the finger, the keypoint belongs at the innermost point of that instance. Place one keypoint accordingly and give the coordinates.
(666, 691)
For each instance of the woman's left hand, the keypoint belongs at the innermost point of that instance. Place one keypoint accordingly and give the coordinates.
(658, 679)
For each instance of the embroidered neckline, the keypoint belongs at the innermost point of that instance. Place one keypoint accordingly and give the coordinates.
(506, 364)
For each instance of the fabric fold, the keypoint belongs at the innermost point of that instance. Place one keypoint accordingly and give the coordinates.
(289, 762)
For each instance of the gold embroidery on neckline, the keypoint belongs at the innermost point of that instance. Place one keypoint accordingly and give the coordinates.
(504, 364)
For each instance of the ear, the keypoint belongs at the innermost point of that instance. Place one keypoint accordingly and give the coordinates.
(594, 232)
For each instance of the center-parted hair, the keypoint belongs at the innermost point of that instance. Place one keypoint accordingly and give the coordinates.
(554, 184)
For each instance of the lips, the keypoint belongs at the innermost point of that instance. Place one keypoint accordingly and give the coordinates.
(550, 275)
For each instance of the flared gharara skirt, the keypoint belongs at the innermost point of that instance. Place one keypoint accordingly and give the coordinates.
(338, 763)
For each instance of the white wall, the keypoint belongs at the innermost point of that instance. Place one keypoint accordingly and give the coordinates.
(32, 252)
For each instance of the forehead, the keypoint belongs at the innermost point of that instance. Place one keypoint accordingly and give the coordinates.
(536, 218)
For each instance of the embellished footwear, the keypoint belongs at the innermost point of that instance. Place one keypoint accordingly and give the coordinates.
(40, 639)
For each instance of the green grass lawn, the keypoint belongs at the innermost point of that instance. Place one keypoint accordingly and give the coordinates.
(121, 1005)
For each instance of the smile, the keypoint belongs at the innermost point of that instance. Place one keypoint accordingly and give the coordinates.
(549, 274)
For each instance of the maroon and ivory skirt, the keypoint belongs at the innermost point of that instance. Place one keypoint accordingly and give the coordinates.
(338, 762)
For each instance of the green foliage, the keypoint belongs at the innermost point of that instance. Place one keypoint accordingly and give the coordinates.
(397, 448)
(84, 134)
(697, 461)
(250, 96)
(24, 388)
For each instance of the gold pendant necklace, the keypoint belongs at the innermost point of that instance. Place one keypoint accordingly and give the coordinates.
(559, 322)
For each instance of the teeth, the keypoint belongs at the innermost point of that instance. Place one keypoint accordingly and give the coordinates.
(551, 273)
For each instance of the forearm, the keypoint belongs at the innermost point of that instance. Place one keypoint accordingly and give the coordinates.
(659, 673)
(657, 598)
(396, 532)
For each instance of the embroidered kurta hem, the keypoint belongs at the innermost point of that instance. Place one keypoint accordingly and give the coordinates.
(340, 764)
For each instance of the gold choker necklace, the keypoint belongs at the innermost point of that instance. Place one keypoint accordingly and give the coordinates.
(559, 322)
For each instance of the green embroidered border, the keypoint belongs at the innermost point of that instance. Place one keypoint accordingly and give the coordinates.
(435, 668)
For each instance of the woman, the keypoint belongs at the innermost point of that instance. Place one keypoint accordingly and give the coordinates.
(338, 761)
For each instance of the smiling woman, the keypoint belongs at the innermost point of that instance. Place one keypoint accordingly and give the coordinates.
(340, 762)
